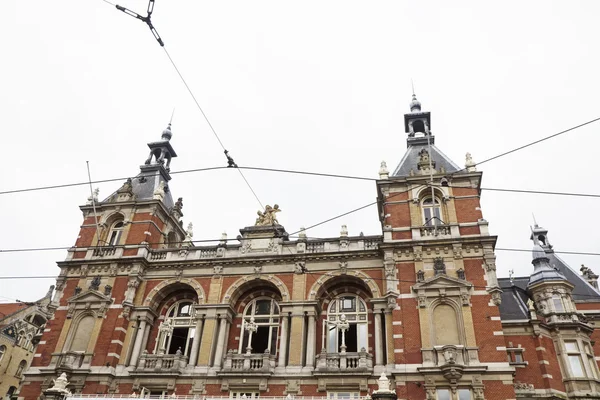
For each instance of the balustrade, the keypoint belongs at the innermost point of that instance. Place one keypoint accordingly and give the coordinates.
(334, 362)
(161, 363)
(249, 362)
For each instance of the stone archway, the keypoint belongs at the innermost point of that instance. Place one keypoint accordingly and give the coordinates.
(238, 287)
(158, 293)
(323, 280)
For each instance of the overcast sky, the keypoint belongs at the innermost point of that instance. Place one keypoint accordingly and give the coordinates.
(313, 85)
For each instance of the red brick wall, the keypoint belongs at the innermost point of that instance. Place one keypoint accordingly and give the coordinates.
(485, 327)
(496, 390)
(411, 331)
(31, 390)
(103, 344)
(467, 210)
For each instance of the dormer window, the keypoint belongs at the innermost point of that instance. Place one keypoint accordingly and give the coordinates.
(115, 234)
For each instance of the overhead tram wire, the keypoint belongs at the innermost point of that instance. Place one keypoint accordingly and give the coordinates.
(279, 170)
(147, 19)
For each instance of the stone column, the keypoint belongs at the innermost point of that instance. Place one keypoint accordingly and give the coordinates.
(139, 338)
(146, 336)
(378, 339)
(196, 343)
(310, 341)
(283, 342)
(220, 342)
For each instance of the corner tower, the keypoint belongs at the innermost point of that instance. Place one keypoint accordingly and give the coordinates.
(440, 268)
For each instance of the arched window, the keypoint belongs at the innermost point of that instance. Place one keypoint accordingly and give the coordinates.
(178, 329)
(418, 126)
(2, 351)
(445, 325)
(21, 368)
(81, 336)
(432, 214)
(347, 324)
(11, 392)
(172, 240)
(114, 236)
(260, 326)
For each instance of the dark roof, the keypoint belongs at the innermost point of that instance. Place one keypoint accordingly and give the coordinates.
(583, 291)
(411, 157)
(146, 182)
(514, 298)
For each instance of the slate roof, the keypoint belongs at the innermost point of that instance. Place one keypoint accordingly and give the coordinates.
(514, 298)
(583, 291)
(411, 157)
(143, 189)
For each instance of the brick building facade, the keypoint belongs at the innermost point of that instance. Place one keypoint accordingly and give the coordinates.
(140, 308)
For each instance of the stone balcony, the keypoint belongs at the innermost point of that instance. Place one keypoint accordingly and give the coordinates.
(451, 360)
(163, 364)
(255, 364)
(344, 362)
(245, 248)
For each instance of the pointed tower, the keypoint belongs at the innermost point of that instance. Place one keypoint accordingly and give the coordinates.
(437, 250)
(141, 212)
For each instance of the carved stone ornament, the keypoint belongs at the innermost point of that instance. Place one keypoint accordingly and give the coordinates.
(95, 283)
(420, 275)
(300, 267)
(60, 385)
(267, 217)
(217, 270)
(438, 266)
(460, 273)
(343, 267)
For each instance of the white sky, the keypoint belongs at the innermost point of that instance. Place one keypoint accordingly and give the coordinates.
(313, 85)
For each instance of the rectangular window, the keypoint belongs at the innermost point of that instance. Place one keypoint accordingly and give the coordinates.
(243, 395)
(558, 303)
(443, 394)
(464, 394)
(575, 360)
(343, 395)
(591, 360)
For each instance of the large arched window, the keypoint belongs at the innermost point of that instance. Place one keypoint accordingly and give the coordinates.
(116, 231)
(432, 212)
(176, 333)
(347, 324)
(260, 326)
(21, 368)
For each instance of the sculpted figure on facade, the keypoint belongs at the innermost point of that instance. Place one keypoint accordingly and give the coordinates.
(267, 217)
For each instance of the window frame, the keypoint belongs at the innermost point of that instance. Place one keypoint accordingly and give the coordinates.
(3, 349)
(21, 368)
(431, 212)
(352, 317)
(115, 234)
(571, 355)
(178, 320)
(274, 325)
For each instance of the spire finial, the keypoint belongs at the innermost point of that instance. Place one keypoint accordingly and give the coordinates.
(415, 105)
(535, 224)
(172, 113)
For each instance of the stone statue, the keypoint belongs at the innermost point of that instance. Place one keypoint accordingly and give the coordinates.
(383, 384)
(94, 196)
(469, 163)
(344, 231)
(530, 305)
(159, 193)
(179, 204)
(267, 218)
(423, 156)
(60, 384)
(383, 171)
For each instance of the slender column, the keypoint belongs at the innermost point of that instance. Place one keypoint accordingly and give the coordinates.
(378, 339)
(311, 340)
(139, 338)
(196, 343)
(146, 336)
(283, 342)
(220, 342)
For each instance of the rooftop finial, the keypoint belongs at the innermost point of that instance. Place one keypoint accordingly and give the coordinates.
(534, 221)
(415, 105)
(167, 134)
